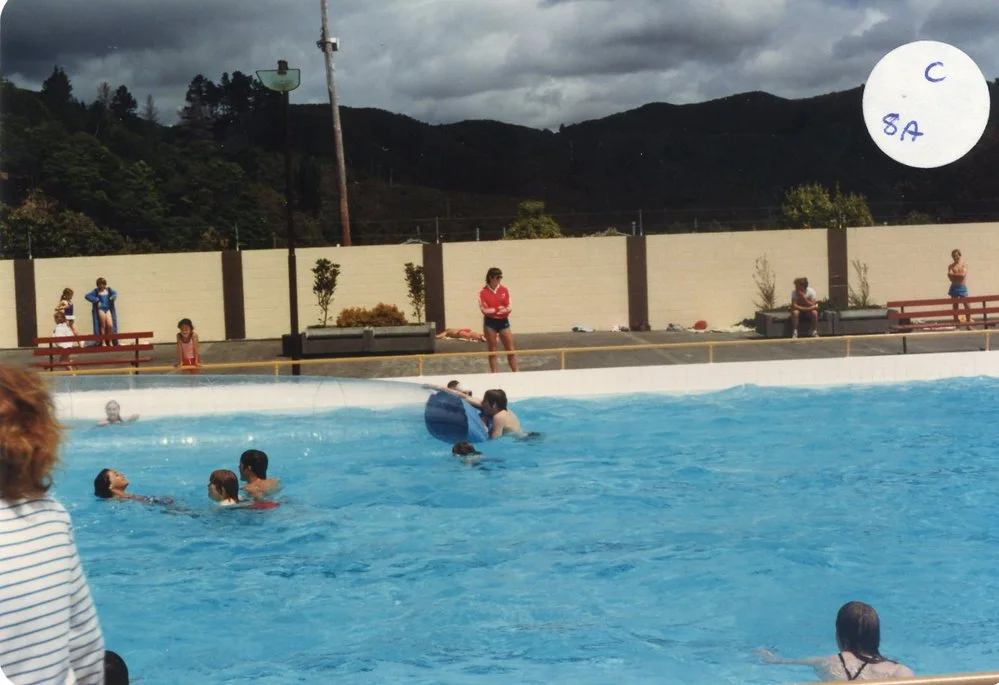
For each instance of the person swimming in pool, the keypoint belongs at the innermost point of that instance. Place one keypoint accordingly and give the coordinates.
(253, 471)
(223, 488)
(111, 484)
(497, 416)
(858, 636)
(113, 411)
(466, 451)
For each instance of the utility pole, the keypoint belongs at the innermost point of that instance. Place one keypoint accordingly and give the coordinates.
(330, 45)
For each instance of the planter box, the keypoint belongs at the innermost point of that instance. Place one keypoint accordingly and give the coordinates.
(831, 322)
(421, 338)
(862, 321)
(778, 324)
(332, 341)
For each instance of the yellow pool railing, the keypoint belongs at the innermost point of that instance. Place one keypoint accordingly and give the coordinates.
(420, 359)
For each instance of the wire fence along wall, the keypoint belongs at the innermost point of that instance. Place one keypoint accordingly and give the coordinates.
(440, 229)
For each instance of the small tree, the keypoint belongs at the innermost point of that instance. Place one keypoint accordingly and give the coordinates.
(417, 285)
(850, 209)
(811, 206)
(324, 285)
(532, 222)
(766, 284)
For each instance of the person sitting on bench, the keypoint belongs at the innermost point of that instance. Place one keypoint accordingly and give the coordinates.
(804, 300)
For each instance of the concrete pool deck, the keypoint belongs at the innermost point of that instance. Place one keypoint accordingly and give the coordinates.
(241, 351)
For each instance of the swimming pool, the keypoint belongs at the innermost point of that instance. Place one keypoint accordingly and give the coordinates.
(642, 537)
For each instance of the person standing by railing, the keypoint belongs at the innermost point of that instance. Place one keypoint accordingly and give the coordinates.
(957, 272)
(49, 631)
(494, 302)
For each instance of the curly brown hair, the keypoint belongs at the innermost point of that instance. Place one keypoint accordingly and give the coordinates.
(29, 434)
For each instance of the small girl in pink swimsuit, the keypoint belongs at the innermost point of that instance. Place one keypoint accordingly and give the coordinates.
(188, 349)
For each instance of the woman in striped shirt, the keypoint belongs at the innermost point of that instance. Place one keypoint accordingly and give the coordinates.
(49, 632)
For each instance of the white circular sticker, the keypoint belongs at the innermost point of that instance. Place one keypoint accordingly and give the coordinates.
(926, 104)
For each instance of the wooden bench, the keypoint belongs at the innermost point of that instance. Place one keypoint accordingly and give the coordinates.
(94, 355)
(928, 315)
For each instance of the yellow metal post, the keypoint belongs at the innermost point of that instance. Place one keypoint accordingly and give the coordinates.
(562, 358)
(848, 340)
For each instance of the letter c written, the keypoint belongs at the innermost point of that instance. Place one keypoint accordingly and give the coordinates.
(930, 78)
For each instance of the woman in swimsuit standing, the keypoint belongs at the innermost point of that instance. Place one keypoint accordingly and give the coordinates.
(105, 319)
(858, 636)
(494, 301)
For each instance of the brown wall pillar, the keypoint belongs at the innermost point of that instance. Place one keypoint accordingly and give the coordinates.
(638, 281)
(25, 305)
(839, 268)
(433, 275)
(233, 306)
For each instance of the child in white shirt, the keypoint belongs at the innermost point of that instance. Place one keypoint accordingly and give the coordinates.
(62, 330)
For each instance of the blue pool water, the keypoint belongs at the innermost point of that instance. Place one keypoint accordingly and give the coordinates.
(643, 537)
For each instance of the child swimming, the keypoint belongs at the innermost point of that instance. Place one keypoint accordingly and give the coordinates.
(113, 411)
(223, 488)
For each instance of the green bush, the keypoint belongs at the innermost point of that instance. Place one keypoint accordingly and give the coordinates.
(381, 315)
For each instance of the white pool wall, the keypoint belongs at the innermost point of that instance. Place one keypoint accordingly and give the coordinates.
(308, 395)
(686, 378)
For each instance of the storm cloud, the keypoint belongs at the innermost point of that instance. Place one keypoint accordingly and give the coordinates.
(533, 62)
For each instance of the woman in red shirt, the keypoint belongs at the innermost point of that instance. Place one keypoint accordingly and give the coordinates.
(494, 301)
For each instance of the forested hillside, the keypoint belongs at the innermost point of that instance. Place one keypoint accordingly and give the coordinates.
(101, 174)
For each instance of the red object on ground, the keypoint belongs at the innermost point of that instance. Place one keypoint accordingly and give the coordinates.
(701, 325)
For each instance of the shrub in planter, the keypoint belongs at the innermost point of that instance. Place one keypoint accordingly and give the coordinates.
(380, 315)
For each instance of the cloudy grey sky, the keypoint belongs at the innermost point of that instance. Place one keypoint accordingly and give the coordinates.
(533, 62)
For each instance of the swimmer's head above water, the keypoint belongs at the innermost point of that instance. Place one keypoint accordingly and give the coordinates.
(494, 401)
(113, 411)
(110, 483)
(464, 449)
(223, 486)
(253, 463)
(858, 629)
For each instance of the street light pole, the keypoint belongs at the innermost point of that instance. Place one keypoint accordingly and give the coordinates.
(289, 199)
(285, 80)
(330, 45)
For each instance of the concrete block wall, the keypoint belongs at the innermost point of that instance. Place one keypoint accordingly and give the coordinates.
(154, 291)
(709, 276)
(368, 275)
(910, 262)
(554, 284)
(8, 310)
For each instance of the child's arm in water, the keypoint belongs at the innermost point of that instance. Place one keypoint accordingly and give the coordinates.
(821, 664)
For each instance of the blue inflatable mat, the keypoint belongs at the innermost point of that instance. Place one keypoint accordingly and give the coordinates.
(452, 420)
